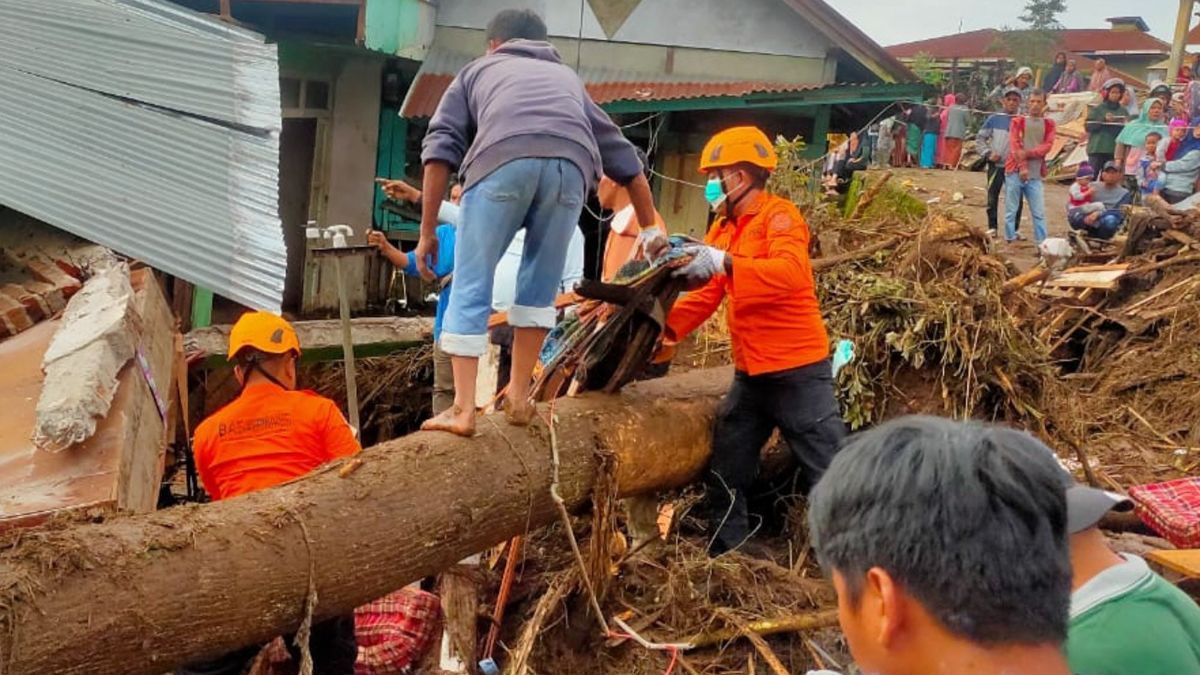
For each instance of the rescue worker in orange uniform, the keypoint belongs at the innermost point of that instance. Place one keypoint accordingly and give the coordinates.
(756, 256)
(269, 435)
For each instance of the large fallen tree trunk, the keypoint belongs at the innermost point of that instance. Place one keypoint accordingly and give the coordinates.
(143, 594)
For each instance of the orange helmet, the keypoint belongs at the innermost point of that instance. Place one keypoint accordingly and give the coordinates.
(739, 145)
(263, 331)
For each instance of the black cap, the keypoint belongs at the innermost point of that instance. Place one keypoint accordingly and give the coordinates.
(1110, 165)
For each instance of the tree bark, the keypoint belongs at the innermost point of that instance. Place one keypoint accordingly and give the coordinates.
(144, 594)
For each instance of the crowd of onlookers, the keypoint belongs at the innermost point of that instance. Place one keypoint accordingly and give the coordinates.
(1134, 148)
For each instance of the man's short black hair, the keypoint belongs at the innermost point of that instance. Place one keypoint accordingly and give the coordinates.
(969, 519)
(1040, 93)
(516, 24)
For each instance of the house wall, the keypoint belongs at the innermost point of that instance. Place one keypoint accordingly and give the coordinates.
(759, 26)
(658, 60)
(344, 169)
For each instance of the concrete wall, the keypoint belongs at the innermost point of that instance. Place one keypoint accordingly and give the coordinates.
(353, 140)
(761, 26)
(658, 60)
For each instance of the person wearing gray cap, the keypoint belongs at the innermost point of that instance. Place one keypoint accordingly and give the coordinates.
(1125, 619)
(1104, 124)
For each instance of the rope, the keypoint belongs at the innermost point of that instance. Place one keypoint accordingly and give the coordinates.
(566, 518)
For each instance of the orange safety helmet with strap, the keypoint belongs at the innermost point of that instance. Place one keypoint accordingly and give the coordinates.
(739, 145)
(268, 333)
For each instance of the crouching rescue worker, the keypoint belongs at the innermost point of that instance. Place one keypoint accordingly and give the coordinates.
(269, 435)
(756, 254)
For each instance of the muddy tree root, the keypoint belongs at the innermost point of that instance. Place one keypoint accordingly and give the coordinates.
(145, 594)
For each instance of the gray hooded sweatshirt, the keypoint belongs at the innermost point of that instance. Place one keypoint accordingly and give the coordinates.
(521, 101)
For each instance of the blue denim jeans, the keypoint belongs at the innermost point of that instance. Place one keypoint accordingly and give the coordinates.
(1106, 227)
(544, 196)
(1031, 190)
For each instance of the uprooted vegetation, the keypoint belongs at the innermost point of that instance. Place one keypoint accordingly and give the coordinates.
(941, 324)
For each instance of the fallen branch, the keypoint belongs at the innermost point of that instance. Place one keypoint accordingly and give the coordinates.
(1029, 278)
(1177, 260)
(786, 624)
(820, 264)
(869, 196)
(760, 645)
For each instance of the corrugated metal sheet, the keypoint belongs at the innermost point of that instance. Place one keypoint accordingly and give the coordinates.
(188, 184)
(147, 51)
(605, 86)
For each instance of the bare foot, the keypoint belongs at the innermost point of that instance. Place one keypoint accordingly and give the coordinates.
(454, 420)
(519, 414)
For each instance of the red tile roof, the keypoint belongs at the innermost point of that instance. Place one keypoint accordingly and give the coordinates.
(426, 91)
(985, 43)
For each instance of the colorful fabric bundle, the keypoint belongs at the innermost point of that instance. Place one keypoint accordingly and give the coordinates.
(395, 631)
(1172, 509)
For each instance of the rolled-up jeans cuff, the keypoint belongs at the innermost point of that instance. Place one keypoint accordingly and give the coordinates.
(520, 316)
(464, 345)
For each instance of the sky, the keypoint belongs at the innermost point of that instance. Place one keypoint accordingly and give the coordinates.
(889, 22)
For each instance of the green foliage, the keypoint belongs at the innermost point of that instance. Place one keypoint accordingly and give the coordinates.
(1042, 15)
(924, 66)
(793, 175)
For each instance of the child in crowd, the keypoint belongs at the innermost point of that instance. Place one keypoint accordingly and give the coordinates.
(1147, 178)
(1169, 151)
(1081, 193)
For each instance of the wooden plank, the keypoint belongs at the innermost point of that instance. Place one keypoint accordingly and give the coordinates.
(145, 437)
(1097, 268)
(1183, 561)
(1103, 280)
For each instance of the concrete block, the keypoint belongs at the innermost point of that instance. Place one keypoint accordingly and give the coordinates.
(97, 337)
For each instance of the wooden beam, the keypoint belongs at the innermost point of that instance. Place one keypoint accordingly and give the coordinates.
(322, 340)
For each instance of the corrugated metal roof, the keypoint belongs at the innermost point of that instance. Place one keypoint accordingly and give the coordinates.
(604, 85)
(136, 148)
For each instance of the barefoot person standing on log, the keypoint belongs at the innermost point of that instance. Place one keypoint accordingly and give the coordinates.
(270, 434)
(521, 129)
(756, 254)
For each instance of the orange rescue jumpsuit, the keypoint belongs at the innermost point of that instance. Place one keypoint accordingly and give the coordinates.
(783, 376)
(268, 436)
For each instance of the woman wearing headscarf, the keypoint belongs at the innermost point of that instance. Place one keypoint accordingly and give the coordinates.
(944, 119)
(1131, 141)
(1100, 75)
(1055, 72)
(1179, 175)
(1069, 82)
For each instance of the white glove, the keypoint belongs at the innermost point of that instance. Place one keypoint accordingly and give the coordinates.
(707, 262)
(652, 244)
